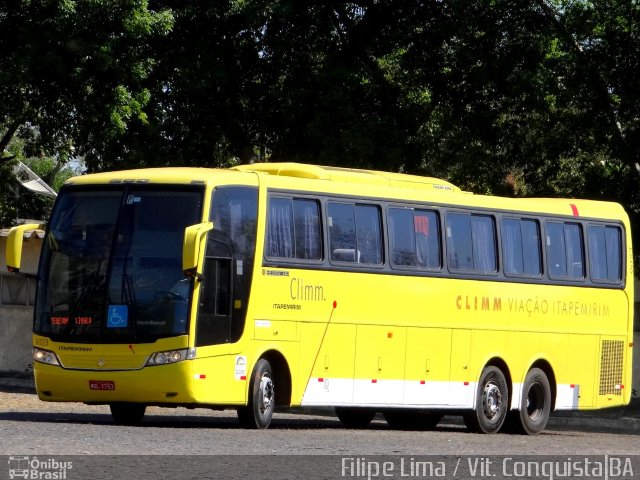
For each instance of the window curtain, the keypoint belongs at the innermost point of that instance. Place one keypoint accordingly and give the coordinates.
(484, 255)
(280, 234)
(510, 243)
(597, 253)
(421, 228)
(311, 226)
(573, 239)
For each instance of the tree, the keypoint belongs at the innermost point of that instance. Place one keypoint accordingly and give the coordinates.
(72, 71)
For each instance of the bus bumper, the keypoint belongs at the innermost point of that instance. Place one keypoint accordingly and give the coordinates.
(163, 384)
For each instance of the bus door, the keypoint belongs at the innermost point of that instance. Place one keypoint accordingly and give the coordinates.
(216, 292)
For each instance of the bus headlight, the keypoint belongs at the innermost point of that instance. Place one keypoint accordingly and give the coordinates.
(45, 356)
(171, 356)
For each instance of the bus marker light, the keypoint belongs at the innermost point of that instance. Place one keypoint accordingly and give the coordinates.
(422, 382)
(320, 380)
(199, 376)
(335, 304)
(572, 385)
(466, 384)
(243, 377)
(374, 381)
(390, 335)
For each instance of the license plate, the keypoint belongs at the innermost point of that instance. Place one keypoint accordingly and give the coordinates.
(102, 385)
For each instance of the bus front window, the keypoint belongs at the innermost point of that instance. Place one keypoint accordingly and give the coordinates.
(112, 265)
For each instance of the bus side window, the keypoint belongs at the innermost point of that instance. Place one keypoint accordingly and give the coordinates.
(471, 242)
(521, 247)
(565, 250)
(355, 233)
(415, 238)
(294, 229)
(605, 253)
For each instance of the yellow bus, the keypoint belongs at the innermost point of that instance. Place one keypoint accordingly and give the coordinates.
(304, 286)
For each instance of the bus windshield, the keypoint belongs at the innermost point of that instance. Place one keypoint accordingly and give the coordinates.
(111, 265)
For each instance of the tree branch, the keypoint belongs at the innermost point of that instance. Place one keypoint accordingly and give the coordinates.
(8, 135)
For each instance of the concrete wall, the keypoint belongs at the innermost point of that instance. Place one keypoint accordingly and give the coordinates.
(16, 321)
(15, 339)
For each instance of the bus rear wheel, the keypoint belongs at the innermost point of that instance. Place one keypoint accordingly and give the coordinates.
(355, 417)
(535, 405)
(492, 402)
(127, 413)
(262, 398)
(412, 419)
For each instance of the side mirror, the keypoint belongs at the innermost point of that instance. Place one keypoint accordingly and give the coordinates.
(14, 244)
(192, 246)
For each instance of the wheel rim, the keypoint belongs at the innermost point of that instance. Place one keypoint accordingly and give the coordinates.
(535, 401)
(266, 394)
(491, 400)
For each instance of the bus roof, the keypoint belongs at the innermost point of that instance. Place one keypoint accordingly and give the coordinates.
(371, 183)
(350, 175)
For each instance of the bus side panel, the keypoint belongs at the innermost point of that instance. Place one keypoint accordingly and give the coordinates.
(463, 383)
(220, 379)
(582, 372)
(380, 356)
(331, 378)
(428, 364)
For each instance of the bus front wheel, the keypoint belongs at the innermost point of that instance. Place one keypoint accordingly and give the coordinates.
(127, 413)
(492, 402)
(262, 398)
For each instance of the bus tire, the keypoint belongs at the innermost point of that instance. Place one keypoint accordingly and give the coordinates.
(492, 402)
(125, 413)
(400, 419)
(355, 417)
(262, 398)
(535, 404)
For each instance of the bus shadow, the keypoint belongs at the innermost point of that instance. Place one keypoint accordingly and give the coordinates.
(166, 421)
(196, 421)
(301, 423)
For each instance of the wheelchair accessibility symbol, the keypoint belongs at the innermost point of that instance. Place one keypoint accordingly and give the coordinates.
(118, 316)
